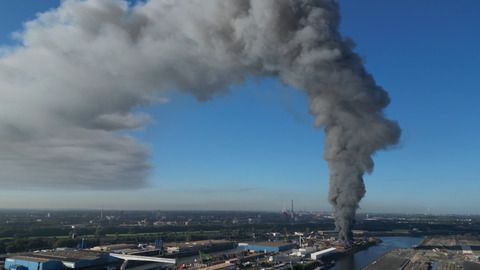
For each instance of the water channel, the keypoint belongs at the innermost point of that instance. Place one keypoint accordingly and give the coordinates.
(363, 258)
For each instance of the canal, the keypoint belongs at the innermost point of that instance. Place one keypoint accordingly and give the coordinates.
(363, 258)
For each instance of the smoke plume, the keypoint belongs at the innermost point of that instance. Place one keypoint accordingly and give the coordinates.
(70, 90)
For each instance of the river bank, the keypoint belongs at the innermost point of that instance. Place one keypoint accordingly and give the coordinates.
(362, 258)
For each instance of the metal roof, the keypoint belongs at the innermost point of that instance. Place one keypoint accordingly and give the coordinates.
(324, 251)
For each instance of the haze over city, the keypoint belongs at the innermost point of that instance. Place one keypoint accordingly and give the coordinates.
(256, 148)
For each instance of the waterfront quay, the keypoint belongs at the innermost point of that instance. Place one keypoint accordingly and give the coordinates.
(435, 252)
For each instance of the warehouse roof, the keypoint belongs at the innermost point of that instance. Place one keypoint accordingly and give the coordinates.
(60, 255)
(29, 258)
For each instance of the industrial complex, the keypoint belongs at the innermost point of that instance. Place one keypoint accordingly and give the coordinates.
(313, 251)
(222, 240)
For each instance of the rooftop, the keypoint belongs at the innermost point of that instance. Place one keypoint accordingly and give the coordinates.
(60, 255)
(114, 247)
(30, 258)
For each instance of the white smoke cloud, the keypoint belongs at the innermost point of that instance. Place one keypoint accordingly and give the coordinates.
(72, 87)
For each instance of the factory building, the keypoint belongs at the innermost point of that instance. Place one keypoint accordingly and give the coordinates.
(30, 263)
(61, 260)
(268, 247)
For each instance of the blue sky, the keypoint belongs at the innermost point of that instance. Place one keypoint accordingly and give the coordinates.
(256, 148)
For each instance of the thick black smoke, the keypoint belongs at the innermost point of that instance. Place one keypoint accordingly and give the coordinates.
(82, 69)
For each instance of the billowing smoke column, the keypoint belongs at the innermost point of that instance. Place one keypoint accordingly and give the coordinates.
(70, 90)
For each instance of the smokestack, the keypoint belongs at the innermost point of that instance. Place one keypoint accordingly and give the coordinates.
(84, 68)
(292, 214)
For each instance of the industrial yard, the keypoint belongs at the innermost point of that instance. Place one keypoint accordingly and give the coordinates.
(306, 252)
(437, 253)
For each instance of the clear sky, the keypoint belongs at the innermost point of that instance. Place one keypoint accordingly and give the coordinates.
(256, 149)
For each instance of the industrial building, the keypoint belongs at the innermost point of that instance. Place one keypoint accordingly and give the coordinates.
(268, 247)
(61, 259)
(66, 259)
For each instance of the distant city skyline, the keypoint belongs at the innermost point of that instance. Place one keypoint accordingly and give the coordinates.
(257, 148)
